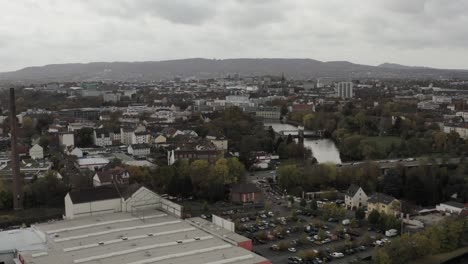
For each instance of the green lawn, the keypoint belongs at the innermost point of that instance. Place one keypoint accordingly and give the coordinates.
(383, 143)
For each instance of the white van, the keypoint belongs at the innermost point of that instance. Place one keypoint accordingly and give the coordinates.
(391, 233)
(337, 254)
(345, 222)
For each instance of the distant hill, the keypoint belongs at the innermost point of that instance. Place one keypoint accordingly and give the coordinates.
(401, 67)
(207, 68)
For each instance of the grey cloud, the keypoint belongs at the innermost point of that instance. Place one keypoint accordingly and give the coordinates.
(417, 32)
(176, 11)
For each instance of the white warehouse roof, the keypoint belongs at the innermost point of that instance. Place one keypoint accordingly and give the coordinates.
(122, 238)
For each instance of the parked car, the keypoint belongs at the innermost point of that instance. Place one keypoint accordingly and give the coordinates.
(291, 249)
(337, 255)
(274, 247)
(379, 243)
(391, 233)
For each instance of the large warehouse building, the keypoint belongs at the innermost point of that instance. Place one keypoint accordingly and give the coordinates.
(149, 235)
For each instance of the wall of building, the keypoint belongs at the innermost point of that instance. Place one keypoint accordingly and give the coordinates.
(246, 245)
(141, 199)
(67, 139)
(448, 209)
(91, 208)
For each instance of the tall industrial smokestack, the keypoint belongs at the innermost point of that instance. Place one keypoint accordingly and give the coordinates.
(15, 169)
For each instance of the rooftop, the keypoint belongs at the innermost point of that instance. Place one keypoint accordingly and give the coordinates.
(380, 198)
(122, 238)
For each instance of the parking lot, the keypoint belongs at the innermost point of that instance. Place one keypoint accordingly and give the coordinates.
(284, 234)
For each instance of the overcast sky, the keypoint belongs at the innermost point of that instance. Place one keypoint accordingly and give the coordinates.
(412, 32)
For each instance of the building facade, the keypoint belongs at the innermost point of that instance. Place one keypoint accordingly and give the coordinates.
(383, 204)
(345, 90)
(355, 197)
(36, 152)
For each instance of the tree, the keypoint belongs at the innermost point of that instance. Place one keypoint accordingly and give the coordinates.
(44, 141)
(163, 177)
(198, 172)
(321, 234)
(136, 174)
(84, 137)
(220, 172)
(28, 126)
(381, 257)
(303, 203)
(374, 217)
(288, 176)
(360, 213)
(313, 205)
(332, 211)
(6, 201)
(392, 183)
(236, 170)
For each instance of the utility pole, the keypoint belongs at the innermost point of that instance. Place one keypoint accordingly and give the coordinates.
(15, 167)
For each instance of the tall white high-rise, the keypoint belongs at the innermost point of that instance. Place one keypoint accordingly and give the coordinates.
(345, 90)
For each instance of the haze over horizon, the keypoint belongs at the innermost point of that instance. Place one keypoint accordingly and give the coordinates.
(428, 33)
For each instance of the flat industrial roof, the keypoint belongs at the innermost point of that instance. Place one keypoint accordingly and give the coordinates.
(212, 228)
(122, 238)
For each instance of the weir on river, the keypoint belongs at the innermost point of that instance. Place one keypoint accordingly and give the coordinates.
(324, 150)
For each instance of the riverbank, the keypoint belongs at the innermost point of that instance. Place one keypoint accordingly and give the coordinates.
(324, 150)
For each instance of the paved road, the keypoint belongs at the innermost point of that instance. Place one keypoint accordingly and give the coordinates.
(391, 163)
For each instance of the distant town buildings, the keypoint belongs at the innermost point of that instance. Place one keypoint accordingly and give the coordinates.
(345, 90)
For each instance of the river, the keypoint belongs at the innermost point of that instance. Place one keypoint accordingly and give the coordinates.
(324, 150)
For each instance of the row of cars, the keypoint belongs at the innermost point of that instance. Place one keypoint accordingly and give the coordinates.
(325, 255)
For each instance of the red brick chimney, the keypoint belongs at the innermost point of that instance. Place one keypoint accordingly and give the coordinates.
(15, 166)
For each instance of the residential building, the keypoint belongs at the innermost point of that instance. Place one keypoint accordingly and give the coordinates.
(160, 139)
(355, 197)
(126, 135)
(74, 151)
(210, 155)
(265, 112)
(36, 152)
(245, 193)
(139, 149)
(383, 204)
(461, 129)
(67, 139)
(91, 163)
(102, 137)
(117, 175)
(238, 100)
(345, 90)
(297, 107)
(141, 137)
(81, 113)
(220, 143)
(451, 207)
(428, 105)
(111, 97)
